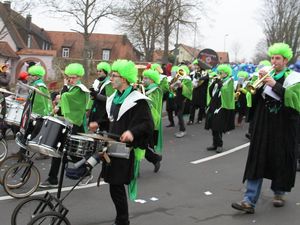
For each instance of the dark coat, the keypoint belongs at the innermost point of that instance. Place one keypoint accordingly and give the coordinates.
(139, 121)
(222, 121)
(272, 151)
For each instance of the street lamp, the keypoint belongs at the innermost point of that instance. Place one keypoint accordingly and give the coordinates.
(226, 35)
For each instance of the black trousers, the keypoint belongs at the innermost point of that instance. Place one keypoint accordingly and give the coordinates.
(151, 155)
(119, 198)
(55, 162)
(201, 113)
(217, 138)
(179, 111)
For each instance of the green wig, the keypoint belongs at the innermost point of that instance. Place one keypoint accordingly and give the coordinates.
(126, 69)
(37, 70)
(281, 49)
(225, 68)
(157, 67)
(185, 68)
(153, 75)
(104, 66)
(265, 63)
(174, 68)
(74, 69)
(243, 74)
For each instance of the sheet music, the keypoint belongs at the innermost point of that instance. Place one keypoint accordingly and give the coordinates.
(268, 91)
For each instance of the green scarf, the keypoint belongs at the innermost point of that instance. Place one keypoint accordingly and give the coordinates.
(120, 97)
(150, 86)
(279, 75)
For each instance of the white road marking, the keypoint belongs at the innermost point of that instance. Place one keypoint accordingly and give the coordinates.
(3, 198)
(221, 154)
(55, 190)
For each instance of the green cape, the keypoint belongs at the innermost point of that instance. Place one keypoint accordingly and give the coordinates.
(227, 94)
(73, 105)
(41, 105)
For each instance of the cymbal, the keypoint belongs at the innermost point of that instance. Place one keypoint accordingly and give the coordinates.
(34, 89)
(97, 136)
(6, 91)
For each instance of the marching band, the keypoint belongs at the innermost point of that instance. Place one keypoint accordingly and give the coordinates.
(127, 105)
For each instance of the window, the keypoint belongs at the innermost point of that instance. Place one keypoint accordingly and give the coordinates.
(105, 54)
(65, 53)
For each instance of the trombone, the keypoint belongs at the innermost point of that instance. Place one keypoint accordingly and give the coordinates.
(252, 88)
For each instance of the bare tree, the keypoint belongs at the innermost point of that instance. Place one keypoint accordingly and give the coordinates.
(87, 14)
(151, 22)
(261, 51)
(282, 23)
(21, 7)
(236, 48)
(142, 24)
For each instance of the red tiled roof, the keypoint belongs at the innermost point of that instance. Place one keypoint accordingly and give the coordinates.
(30, 51)
(17, 27)
(6, 50)
(119, 45)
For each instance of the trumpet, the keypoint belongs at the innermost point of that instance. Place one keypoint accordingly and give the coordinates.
(238, 92)
(259, 82)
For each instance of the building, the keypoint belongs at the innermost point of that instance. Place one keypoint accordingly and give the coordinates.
(106, 47)
(23, 42)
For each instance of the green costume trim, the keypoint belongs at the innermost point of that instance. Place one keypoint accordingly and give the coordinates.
(164, 85)
(120, 97)
(156, 112)
(139, 154)
(41, 105)
(187, 88)
(292, 97)
(73, 105)
(227, 95)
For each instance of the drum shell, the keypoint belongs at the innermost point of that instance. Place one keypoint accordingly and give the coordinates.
(51, 138)
(80, 146)
(14, 111)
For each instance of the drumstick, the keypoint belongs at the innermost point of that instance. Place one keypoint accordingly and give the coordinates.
(116, 136)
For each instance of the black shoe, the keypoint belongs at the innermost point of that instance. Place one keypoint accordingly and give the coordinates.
(171, 125)
(211, 148)
(190, 123)
(157, 164)
(248, 136)
(219, 149)
(48, 184)
(298, 165)
(243, 206)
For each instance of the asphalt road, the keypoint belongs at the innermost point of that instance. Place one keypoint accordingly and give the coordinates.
(193, 186)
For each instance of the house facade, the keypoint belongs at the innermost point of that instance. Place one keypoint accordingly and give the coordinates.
(23, 42)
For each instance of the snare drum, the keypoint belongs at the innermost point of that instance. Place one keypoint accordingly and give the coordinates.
(14, 111)
(51, 138)
(81, 146)
(34, 127)
(118, 150)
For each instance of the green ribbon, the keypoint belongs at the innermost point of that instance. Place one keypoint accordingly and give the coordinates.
(120, 97)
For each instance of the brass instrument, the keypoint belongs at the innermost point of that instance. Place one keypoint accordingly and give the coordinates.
(174, 80)
(237, 92)
(259, 82)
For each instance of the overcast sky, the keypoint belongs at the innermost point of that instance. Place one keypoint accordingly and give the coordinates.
(232, 21)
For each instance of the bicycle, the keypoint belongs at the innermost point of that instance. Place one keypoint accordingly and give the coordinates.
(22, 178)
(49, 209)
(3, 149)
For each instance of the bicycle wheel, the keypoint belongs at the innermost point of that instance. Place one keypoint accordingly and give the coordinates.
(6, 163)
(21, 180)
(3, 150)
(50, 218)
(30, 208)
